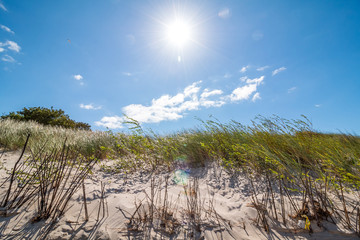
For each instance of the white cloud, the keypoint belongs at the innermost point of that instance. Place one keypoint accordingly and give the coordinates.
(192, 90)
(3, 7)
(224, 13)
(256, 97)
(242, 93)
(2, 49)
(244, 69)
(257, 81)
(11, 45)
(167, 100)
(317, 105)
(262, 68)
(211, 103)
(89, 107)
(290, 90)
(8, 58)
(111, 122)
(78, 77)
(276, 71)
(167, 107)
(153, 113)
(5, 28)
(204, 101)
(208, 93)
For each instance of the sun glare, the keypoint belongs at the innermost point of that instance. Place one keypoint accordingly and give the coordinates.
(178, 33)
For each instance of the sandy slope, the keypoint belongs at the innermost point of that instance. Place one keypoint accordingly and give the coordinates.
(228, 194)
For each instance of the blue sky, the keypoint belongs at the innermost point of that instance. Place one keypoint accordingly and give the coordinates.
(98, 60)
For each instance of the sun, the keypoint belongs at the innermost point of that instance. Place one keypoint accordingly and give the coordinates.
(178, 33)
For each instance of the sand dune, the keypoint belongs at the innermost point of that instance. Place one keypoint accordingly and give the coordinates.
(222, 201)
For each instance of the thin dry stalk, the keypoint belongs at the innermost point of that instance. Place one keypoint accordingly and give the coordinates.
(291, 200)
(311, 197)
(152, 195)
(157, 213)
(344, 206)
(272, 198)
(102, 201)
(260, 207)
(282, 202)
(194, 207)
(6, 198)
(132, 220)
(85, 205)
(60, 176)
(357, 227)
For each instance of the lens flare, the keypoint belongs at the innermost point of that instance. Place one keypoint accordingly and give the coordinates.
(181, 175)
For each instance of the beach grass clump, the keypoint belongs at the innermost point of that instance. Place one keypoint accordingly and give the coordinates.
(141, 149)
(13, 136)
(49, 179)
(290, 156)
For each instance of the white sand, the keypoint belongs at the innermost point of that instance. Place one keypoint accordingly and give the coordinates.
(230, 196)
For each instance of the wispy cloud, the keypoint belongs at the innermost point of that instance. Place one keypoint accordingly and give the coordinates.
(8, 58)
(89, 106)
(224, 13)
(3, 7)
(11, 45)
(243, 79)
(256, 97)
(175, 107)
(262, 68)
(5, 28)
(129, 74)
(227, 75)
(257, 81)
(244, 69)
(2, 49)
(317, 105)
(290, 90)
(276, 71)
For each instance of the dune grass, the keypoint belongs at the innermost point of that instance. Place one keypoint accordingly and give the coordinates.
(13, 135)
(287, 155)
